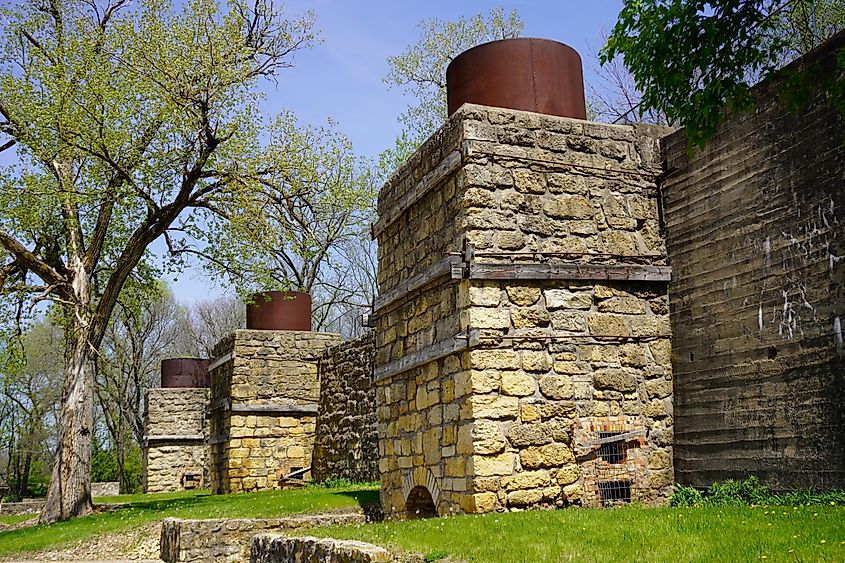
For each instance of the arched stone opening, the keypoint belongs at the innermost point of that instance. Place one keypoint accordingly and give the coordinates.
(420, 504)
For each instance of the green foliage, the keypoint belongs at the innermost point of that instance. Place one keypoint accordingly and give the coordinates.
(104, 467)
(131, 122)
(738, 493)
(36, 487)
(811, 498)
(319, 197)
(694, 59)
(751, 492)
(685, 496)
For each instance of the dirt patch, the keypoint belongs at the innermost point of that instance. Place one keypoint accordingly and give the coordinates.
(135, 544)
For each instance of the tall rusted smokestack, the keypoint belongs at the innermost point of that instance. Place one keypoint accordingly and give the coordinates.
(527, 74)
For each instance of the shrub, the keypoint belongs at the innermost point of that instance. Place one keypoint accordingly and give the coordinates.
(685, 496)
(751, 492)
(738, 493)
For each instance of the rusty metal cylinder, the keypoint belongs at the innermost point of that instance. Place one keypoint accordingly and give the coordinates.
(529, 74)
(184, 372)
(279, 310)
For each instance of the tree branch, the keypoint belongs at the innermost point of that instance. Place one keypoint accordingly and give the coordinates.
(31, 262)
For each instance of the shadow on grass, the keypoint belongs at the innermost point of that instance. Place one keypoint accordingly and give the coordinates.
(369, 501)
(157, 504)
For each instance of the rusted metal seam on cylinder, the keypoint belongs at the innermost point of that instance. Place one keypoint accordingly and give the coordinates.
(533, 74)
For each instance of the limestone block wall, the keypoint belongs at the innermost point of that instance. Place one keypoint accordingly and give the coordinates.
(270, 548)
(755, 233)
(175, 453)
(264, 396)
(346, 445)
(229, 539)
(523, 331)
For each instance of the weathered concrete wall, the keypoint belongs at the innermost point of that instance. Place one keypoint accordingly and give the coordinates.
(755, 236)
(224, 539)
(347, 434)
(538, 360)
(273, 548)
(175, 453)
(265, 390)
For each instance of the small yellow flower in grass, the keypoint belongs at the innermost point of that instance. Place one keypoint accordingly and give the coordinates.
(823, 541)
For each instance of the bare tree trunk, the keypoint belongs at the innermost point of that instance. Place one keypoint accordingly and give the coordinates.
(121, 463)
(70, 486)
(23, 478)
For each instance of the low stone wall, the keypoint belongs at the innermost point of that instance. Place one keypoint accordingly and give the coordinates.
(273, 548)
(229, 539)
(105, 489)
(347, 431)
(25, 507)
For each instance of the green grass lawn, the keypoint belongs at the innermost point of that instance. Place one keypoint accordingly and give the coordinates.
(191, 504)
(622, 534)
(12, 519)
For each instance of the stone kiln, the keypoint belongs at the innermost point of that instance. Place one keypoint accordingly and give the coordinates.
(264, 397)
(175, 452)
(523, 353)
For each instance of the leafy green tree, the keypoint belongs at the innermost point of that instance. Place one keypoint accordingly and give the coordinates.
(143, 330)
(129, 121)
(695, 59)
(421, 71)
(31, 384)
(296, 225)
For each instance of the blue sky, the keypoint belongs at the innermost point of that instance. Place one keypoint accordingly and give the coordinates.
(341, 78)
